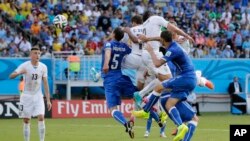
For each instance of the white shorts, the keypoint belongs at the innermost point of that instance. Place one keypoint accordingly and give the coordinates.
(134, 61)
(31, 105)
(152, 70)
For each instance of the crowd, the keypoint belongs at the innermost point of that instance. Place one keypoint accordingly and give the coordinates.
(221, 28)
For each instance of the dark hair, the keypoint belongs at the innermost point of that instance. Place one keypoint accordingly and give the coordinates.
(166, 36)
(118, 33)
(146, 15)
(137, 19)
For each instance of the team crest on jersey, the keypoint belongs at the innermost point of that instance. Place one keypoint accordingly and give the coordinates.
(168, 53)
(108, 45)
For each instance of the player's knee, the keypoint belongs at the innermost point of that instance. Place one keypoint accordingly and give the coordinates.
(26, 120)
(159, 88)
(162, 77)
(40, 118)
(195, 118)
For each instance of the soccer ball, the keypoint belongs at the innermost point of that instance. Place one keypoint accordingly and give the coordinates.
(60, 21)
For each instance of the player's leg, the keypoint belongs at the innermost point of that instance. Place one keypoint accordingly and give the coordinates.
(162, 73)
(148, 126)
(123, 86)
(41, 127)
(39, 111)
(162, 131)
(202, 81)
(26, 129)
(25, 110)
(188, 115)
(154, 96)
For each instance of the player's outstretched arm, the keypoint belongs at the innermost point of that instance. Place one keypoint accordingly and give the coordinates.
(157, 62)
(177, 30)
(132, 37)
(146, 39)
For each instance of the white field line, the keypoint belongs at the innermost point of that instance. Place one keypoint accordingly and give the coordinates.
(119, 126)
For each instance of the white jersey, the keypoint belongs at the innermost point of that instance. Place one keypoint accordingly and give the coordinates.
(152, 28)
(135, 47)
(33, 77)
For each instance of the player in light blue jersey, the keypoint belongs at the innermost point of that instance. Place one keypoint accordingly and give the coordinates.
(116, 84)
(179, 86)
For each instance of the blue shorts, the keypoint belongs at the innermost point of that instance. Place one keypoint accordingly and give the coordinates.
(180, 86)
(118, 87)
(184, 108)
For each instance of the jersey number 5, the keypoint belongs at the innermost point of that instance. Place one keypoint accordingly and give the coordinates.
(115, 61)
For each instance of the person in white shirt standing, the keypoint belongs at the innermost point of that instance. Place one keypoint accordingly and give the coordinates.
(31, 101)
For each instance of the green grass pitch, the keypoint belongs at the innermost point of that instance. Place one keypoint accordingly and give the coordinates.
(212, 127)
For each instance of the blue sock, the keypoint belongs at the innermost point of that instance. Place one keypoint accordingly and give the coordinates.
(175, 116)
(162, 130)
(118, 116)
(151, 102)
(191, 129)
(149, 123)
(154, 115)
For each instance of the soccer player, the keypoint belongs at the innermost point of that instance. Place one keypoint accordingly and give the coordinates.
(179, 86)
(31, 101)
(136, 53)
(187, 115)
(152, 28)
(115, 83)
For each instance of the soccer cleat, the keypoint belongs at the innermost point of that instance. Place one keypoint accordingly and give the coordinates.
(146, 134)
(203, 82)
(163, 135)
(209, 84)
(182, 130)
(129, 129)
(163, 116)
(140, 114)
(138, 99)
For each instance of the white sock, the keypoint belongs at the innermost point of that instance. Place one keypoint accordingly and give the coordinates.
(149, 87)
(26, 131)
(41, 130)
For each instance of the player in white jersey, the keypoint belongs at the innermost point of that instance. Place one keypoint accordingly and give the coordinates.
(152, 28)
(31, 101)
(134, 59)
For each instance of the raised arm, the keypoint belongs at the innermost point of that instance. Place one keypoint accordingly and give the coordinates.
(132, 37)
(146, 39)
(177, 30)
(157, 62)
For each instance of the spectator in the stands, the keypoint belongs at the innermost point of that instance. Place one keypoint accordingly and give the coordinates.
(57, 46)
(246, 46)
(45, 52)
(25, 47)
(19, 17)
(104, 21)
(210, 41)
(35, 28)
(228, 52)
(3, 44)
(237, 39)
